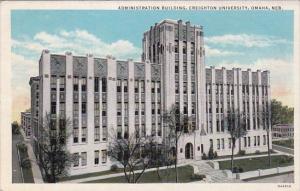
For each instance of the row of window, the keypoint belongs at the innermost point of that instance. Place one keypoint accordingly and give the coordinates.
(230, 89)
(81, 159)
(246, 140)
(184, 85)
(185, 68)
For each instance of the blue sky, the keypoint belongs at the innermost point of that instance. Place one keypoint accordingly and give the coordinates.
(248, 39)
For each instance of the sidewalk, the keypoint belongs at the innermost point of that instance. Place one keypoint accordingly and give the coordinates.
(37, 176)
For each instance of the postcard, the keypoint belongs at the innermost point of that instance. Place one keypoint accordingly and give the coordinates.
(198, 95)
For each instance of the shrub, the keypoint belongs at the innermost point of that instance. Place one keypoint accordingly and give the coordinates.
(204, 157)
(215, 154)
(257, 152)
(25, 163)
(242, 152)
(198, 176)
(241, 169)
(235, 170)
(114, 168)
(210, 153)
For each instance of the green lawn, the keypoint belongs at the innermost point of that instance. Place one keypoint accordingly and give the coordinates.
(286, 143)
(91, 175)
(258, 163)
(27, 172)
(186, 174)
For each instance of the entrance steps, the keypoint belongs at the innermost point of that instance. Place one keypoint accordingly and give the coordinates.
(212, 175)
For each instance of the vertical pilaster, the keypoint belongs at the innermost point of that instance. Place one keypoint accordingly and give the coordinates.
(148, 114)
(69, 95)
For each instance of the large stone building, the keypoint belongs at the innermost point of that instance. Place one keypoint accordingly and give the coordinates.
(26, 123)
(283, 131)
(100, 94)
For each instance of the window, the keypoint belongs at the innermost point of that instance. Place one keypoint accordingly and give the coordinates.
(62, 83)
(185, 108)
(75, 84)
(153, 87)
(136, 86)
(104, 84)
(143, 109)
(258, 140)
(125, 109)
(96, 161)
(185, 68)
(97, 133)
(96, 84)
(193, 87)
(153, 108)
(83, 84)
(118, 85)
(104, 156)
(245, 141)
(83, 134)
(119, 109)
(218, 144)
(53, 107)
(83, 159)
(158, 87)
(176, 46)
(192, 48)
(223, 144)
(264, 141)
(143, 130)
(211, 144)
(83, 107)
(176, 87)
(158, 109)
(136, 108)
(184, 87)
(125, 83)
(254, 140)
(53, 82)
(104, 133)
(193, 69)
(119, 132)
(184, 48)
(229, 143)
(103, 109)
(137, 131)
(176, 67)
(249, 142)
(75, 135)
(193, 108)
(142, 86)
(76, 159)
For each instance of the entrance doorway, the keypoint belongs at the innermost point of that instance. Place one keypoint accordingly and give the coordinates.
(189, 151)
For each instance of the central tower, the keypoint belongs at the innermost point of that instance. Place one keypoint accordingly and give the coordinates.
(179, 48)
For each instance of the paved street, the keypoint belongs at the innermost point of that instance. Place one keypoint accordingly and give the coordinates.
(16, 169)
(284, 178)
(283, 149)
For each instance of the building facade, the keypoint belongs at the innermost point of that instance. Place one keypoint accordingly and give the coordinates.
(26, 123)
(101, 94)
(283, 131)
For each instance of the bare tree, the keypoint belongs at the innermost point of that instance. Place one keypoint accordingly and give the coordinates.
(236, 132)
(176, 124)
(54, 159)
(133, 153)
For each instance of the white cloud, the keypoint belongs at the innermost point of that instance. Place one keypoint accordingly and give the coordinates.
(79, 42)
(281, 76)
(245, 40)
(213, 52)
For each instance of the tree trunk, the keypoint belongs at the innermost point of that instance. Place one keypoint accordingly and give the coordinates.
(176, 145)
(232, 149)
